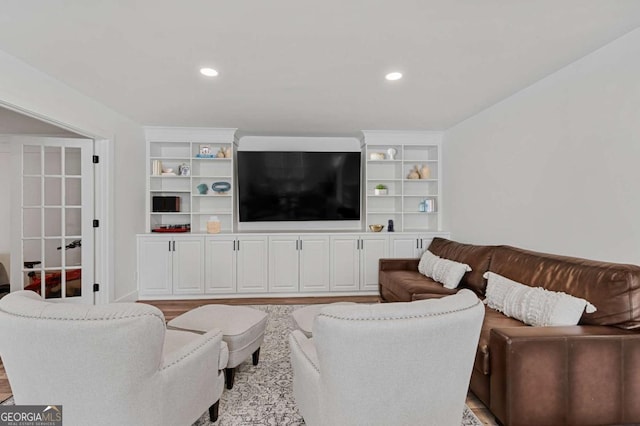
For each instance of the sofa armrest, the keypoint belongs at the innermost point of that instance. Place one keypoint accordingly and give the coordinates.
(399, 264)
(565, 375)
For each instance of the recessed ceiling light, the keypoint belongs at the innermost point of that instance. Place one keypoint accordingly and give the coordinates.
(209, 72)
(393, 76)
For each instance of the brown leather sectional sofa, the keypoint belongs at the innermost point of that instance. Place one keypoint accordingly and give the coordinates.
(588, 374)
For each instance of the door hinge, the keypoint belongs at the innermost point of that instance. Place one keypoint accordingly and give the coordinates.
(96, 287)
(96, 159)
(96, 223)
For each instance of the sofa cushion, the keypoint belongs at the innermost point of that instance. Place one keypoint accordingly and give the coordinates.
(534, 305)
(613, 288)
(445, 271)
(477, 257)
(402, 285)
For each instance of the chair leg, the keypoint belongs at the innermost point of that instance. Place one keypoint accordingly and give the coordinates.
(256, 356)
(213, 411)
(229, 375)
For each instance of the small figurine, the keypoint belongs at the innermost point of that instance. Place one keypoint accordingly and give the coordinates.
(390, 226)
(220, 153)
(425, 173)
(414, 174)
(392, 153)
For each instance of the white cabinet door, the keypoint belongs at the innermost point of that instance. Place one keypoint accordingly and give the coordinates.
(252, 260)
(424, 242)
(404, 246)
(315, 263)
(154, 266)
(372, 249)
(345, 263)
(188, 265)
(220, 265)
(283, 263)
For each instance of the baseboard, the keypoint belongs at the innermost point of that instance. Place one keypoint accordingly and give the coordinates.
(130, 297)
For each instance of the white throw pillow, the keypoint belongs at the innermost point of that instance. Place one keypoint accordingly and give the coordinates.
(447, 272)
(533, 305)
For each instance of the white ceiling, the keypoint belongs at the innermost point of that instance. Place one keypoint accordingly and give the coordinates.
(306, 67)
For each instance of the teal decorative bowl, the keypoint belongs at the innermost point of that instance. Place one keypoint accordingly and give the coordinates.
(221, 186)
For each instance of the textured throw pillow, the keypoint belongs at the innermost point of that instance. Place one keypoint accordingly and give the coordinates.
(447, 272)
(533, 305)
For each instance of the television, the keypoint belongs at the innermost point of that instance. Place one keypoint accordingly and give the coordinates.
(298, 186)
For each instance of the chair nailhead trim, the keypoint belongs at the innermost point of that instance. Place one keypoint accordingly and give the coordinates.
(434, 314)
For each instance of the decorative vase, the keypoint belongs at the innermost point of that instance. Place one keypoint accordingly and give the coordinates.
(203, 188)
(213, 225)
(425, 173)
(414, 174)
(380, 191)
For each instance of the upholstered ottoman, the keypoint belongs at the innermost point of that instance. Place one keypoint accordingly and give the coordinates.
(242, 328)
(303, 318)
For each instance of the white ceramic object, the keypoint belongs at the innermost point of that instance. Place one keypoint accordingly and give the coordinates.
(392, 153)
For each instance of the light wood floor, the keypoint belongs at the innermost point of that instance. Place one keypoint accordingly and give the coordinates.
(173, 308)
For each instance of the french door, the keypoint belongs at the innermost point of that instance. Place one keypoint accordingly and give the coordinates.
(55, 217)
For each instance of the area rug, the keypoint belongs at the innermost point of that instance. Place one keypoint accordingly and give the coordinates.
(262, 395)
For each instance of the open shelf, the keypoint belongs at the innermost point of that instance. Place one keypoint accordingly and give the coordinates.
(172, 148)
(413, 151)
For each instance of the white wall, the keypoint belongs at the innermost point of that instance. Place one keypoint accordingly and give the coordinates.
(555, 167)
(25, 88)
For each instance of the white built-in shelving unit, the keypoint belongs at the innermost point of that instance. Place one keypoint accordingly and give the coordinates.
(280, 262)
(402, 201)
(176, 147)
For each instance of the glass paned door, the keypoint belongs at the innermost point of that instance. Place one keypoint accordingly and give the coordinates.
(57, 209)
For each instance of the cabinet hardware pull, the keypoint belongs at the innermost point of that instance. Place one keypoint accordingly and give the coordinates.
(417, 243)
(234, 245)
(300, 244)
(297, 245)
(169, 245)
(238, 245)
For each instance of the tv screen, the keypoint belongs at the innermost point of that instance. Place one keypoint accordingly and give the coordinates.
(298, 186)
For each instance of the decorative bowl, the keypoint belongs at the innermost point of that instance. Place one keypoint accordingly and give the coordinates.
(376, 227)
(221, 187)
(376, 156)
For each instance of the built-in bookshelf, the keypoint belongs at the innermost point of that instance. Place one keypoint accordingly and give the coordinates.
(407, 164)
(186, 163)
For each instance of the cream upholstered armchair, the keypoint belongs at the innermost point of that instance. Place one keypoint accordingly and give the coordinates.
(110, 364)
(388, 364)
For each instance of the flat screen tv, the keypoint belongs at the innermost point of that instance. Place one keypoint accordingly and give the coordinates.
(298, 186)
